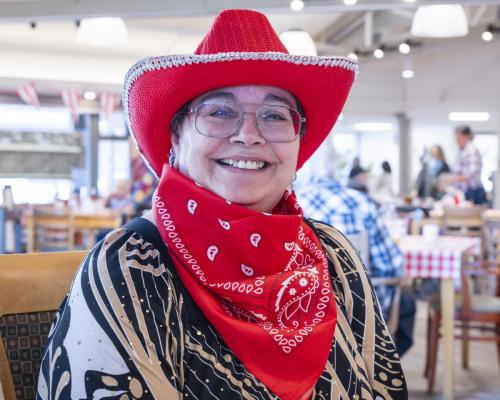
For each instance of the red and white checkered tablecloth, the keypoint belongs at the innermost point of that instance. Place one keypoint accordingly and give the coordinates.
(439, 258)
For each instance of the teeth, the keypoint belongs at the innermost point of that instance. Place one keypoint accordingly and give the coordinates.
(243, 164)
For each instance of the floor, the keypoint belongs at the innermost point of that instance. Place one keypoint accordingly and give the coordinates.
(480, 382)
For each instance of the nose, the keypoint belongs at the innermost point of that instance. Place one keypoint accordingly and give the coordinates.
(248, 133)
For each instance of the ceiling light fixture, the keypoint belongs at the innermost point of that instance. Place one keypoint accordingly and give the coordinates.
(469, 116)
(297, 5)
(353, 55)
(373, 126)
(378, 53)
(440, 21)
(407, 74)
(89, 96)
(487, 36)
(404, 48)
(103, 32)
(299, 42)
(350, 2)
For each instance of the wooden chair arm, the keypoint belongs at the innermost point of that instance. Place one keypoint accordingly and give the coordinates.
(388, 281)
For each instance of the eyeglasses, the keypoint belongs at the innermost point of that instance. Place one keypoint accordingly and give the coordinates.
(222, 119)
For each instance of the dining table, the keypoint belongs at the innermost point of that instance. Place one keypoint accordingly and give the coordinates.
(442, 258)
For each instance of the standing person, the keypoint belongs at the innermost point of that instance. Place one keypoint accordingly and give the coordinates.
(352, 212)
(383, 190)
(467, 171)
(437, 166)
(224, 291)
(434, 165)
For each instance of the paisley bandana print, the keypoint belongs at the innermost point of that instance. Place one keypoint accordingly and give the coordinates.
(261, 279)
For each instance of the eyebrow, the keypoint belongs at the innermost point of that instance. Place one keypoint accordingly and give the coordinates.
(232, 97)
(217, 95)
(275, 97)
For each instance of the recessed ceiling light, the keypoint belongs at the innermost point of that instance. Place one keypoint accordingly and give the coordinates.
(404, 48)
(350, 2)
(407, 74)
(297, 5)
(469, 116)
(487, 36)
(89, 96)
(354, 56)
(378, 53)
(373, 126)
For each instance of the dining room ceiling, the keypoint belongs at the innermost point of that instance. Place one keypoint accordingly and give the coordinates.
(38, 43)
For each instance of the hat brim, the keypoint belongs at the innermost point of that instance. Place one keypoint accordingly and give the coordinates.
(156, 88)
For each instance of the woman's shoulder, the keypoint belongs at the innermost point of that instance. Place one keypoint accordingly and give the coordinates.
(131, 256)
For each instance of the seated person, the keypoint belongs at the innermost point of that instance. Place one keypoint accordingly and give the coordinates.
(351, 212)
(224, 291)
(120, 201)
(358, 179)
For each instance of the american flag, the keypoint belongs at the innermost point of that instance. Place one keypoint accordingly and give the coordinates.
(71, 99)
(109, 103)
(28, 94)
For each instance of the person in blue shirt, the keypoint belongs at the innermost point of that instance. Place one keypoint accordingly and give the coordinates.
(352, 212)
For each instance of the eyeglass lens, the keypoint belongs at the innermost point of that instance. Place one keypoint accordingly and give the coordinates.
(276, 123)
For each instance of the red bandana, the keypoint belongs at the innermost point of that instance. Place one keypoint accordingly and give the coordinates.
(260, 279)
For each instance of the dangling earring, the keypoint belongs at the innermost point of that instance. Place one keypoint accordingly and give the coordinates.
(290, 187)
(171, 157)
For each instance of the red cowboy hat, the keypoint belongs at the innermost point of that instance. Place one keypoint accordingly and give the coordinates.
(241, 48)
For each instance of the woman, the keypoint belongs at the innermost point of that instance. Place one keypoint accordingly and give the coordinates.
(428, 180)
(383, 191)
(223, 291)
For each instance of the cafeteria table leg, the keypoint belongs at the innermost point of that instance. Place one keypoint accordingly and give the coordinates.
(447, 307)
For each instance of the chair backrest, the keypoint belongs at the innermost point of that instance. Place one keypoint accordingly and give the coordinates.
(491, 237)
(462, 221)
(52, 229)
(32, 288)
(361, 243)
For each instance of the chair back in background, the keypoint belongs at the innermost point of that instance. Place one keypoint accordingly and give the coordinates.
(51, 229)
(491, 232)
(32, 288)
(462, 221)
(361, 243)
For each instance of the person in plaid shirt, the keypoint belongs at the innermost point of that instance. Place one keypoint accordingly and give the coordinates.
(467, 171)
(323, 198)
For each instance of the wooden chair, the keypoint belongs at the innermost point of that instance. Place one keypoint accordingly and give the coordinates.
(32, 288)
(462, 221)
(51, 229)
(472, 312)
(491, 237)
